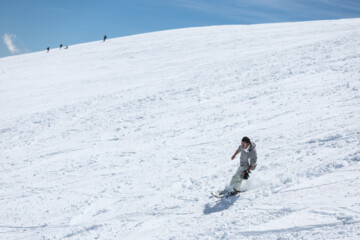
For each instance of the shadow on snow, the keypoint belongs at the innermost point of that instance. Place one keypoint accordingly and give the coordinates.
(221, 205)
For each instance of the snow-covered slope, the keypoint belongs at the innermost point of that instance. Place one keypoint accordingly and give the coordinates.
(126, 139)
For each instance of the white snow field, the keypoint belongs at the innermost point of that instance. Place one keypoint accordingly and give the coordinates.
(125, 139)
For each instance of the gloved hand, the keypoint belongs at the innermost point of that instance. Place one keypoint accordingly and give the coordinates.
(246, 174)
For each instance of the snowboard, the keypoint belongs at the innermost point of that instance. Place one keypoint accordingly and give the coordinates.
(222, 194)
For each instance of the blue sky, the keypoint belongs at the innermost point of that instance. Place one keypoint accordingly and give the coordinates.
(33, 25)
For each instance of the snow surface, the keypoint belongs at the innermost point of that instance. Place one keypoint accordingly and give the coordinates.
(125, 139)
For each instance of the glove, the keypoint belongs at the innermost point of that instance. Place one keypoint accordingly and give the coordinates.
(246, 174)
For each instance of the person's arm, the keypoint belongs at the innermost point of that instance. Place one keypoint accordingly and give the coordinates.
(253, 160)
(236, 153)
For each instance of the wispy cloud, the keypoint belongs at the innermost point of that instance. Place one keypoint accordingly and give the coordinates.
(245, 10)
(274, 10)
(9, 42)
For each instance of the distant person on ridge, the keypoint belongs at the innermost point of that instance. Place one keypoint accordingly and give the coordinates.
(60, 46)
(248, 161)
(48, 49)
(105, 38)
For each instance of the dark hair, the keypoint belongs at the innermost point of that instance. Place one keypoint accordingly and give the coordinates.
(246, 140)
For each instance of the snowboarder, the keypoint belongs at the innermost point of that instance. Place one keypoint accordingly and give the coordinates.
(247, 153)
(105, 38)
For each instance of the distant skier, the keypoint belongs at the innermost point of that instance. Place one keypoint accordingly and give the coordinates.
(105, 38)
(61, 46)
(248, 161)
(48, 49)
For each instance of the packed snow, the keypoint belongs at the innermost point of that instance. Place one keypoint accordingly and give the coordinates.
(125, 139)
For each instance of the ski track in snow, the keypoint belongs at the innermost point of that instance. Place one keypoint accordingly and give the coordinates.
(126, 139)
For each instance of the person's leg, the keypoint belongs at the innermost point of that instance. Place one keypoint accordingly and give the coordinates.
(237, 179)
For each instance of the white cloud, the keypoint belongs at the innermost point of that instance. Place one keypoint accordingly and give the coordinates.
(9, 42)
(255, 11)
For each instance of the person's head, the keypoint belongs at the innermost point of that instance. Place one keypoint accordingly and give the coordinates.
(245, 142)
